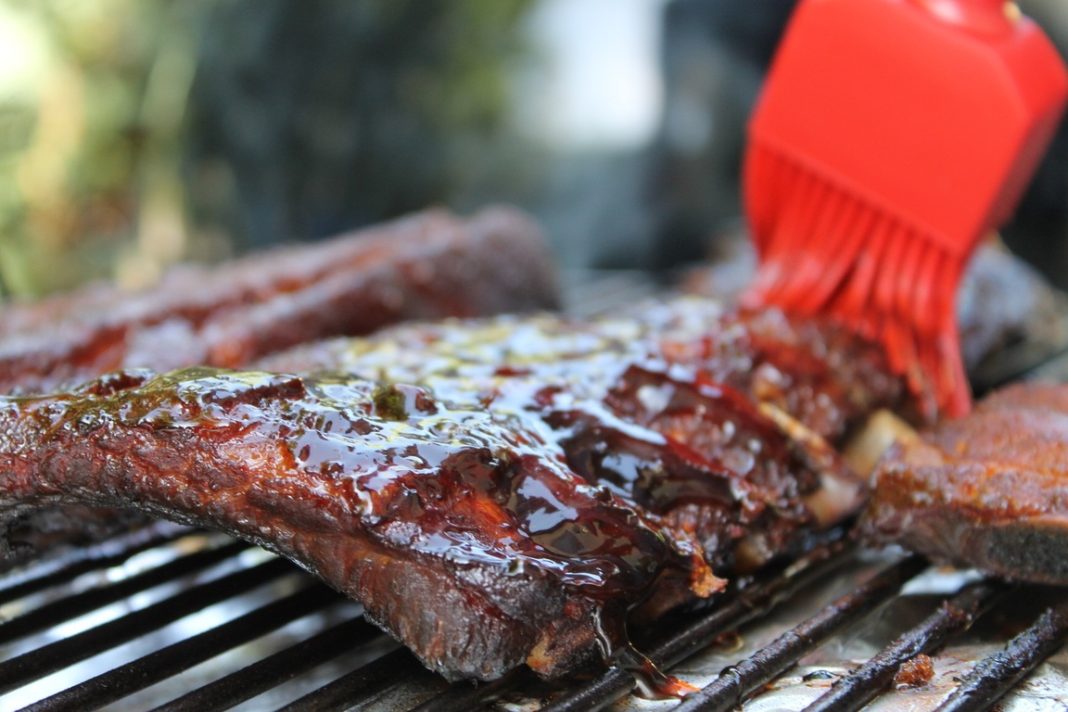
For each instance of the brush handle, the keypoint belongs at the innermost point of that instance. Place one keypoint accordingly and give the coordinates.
(983, 17)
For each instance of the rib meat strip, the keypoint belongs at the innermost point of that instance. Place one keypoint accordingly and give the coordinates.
(496, 492)
(429, 265)
(724, 424)
(452, 526)
(988, 491)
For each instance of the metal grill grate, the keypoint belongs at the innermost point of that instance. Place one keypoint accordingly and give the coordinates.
(277, 639)
(197, 621)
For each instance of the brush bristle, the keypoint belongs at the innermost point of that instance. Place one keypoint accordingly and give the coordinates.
(824, 250)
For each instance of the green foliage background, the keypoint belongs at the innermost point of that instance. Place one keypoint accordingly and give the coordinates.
(106, 166)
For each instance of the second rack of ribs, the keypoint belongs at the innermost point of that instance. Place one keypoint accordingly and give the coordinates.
(494, 492)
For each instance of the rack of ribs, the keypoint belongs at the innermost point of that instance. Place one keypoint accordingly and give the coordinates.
(428, 265)
(494, 492)
(654, 403)
(988, 491)
(425, 266)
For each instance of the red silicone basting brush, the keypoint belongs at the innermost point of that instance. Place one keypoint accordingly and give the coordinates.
(890, 137)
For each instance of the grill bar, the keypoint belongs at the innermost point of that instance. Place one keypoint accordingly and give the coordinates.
(998, 673)
(465, 697)
(139, 674)
(737, 681)
(104, 555)
(70, 607)
(870, 679)
(749, 604)
(361, 684)
(49, 658)
(246, 683)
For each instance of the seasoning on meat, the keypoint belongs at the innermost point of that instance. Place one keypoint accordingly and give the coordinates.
(429, 265)
(494, 492)
(988, 491)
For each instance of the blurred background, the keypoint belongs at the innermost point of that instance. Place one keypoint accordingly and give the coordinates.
(137, 133)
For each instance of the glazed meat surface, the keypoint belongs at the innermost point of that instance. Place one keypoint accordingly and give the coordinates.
(428, 265)
(988, 491)
(450, 525)
(495, 492)
(721, 423)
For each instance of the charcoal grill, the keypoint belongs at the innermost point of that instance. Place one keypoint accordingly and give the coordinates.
(171, 618)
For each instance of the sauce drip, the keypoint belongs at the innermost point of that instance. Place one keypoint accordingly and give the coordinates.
(651, 682)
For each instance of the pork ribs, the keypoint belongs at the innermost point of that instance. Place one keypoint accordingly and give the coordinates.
(989, 490)
(495, 492)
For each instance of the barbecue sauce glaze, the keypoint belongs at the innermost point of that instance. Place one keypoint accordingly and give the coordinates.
(611, 461)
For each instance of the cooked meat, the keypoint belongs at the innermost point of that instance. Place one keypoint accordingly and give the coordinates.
(989, 490)
(543, 478)
(823, 376)
(426, 266)
(1002, 302)
(914, 672)
(455, 527)
(659, 404)
(29, 535)
(1005, 304)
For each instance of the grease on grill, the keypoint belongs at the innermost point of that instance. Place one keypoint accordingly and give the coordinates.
(819, 675)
